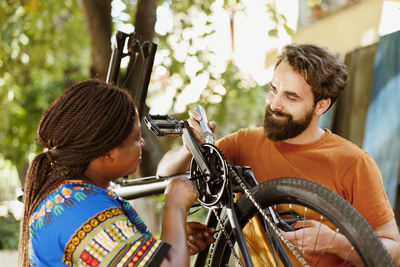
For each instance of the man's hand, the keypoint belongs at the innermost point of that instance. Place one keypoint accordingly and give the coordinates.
(198, 237)
(193, 121)
(313, 236)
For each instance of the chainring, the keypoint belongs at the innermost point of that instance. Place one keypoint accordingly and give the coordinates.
(211, 185)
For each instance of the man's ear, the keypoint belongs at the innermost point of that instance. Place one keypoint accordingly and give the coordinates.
(322, 106)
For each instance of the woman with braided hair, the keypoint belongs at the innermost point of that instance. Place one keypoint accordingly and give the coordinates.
(92, 136)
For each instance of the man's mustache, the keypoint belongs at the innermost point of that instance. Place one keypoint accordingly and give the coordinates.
(270, 112)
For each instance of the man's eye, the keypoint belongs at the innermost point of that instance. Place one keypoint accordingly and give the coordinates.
(269, 88)
(291, 98)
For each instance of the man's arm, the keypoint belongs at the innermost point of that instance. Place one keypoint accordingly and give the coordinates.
(390, 237)
(388, 233)
(174, 162)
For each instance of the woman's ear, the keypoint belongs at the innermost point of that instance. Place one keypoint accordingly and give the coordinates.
(322, 106)
(108, 157)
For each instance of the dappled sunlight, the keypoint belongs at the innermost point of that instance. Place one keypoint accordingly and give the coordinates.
(209, 43)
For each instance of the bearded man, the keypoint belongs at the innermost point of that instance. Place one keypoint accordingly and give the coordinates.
(307, 81)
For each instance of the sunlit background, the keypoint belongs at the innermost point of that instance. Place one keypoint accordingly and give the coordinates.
(220, 56)
(246, 36)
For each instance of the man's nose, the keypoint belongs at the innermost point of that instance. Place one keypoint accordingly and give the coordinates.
(275, 102)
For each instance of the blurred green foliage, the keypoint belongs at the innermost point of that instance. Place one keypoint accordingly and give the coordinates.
(241, 102)
(9, 232)
(44, 47)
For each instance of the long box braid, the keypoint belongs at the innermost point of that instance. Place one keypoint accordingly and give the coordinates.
(88, 120)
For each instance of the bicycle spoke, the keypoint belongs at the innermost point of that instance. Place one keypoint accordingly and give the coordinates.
(304, 226)
(315, 244)
(259, 244)
(323, 252)
(348, 256)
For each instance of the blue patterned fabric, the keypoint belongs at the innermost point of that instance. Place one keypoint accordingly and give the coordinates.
(81, 224)
(382, 130)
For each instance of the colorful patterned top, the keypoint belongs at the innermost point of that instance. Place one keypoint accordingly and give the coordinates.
(79, 224)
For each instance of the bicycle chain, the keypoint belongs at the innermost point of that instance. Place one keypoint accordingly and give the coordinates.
(276, 230)
(228, 240)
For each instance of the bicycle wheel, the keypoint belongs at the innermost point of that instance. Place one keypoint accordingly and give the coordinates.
(313, 202)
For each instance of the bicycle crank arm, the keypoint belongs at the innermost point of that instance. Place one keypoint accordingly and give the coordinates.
(194, 149)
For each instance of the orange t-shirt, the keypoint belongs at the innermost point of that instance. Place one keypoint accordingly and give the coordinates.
(331, 161)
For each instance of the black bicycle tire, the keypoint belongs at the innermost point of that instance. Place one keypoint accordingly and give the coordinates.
(319, 198)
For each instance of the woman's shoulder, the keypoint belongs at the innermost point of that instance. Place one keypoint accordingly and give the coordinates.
(69, 193)
(76, 215)
(71, 202)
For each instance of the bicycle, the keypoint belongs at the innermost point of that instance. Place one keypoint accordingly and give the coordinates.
(263, 211)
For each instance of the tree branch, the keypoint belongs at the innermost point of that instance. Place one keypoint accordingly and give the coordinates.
(98, 17)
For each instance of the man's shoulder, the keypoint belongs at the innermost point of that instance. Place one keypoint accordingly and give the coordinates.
(341, 141)
(251, 132)
(343, 146)
(243, 137)
(247, 136)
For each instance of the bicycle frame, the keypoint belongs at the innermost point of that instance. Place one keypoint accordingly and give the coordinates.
(135, 48)
(164, 125)
(141, 187)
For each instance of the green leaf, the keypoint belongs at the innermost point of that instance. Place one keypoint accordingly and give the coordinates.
(273, 32)
(288, 30)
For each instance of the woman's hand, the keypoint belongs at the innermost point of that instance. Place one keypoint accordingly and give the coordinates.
(198, 237)
(180, 193)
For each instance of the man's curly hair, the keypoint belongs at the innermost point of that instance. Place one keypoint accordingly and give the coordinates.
(319, 67)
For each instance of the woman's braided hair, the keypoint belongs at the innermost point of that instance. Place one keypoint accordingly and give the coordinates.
(88, 120)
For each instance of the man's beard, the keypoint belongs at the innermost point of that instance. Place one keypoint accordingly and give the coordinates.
(278, 130)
